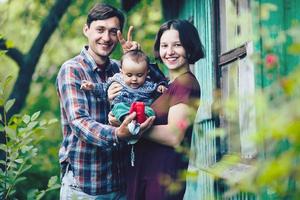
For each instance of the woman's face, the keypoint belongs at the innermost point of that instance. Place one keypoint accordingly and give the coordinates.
(171, 50)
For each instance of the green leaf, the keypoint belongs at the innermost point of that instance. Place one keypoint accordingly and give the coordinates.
(20, 179)
(14, 167)
(9, 104)
(9, 44)
(15, 119)
(12, 192)
(31, 125)
(7, 81)
(25, 169)
(0, 116)
(3, 52)
(32, 193)
(40, 195)
(43, 122)
(51, 121)
(52, 181)
(3, 147)
(20, 160)
(1, 127)
(54, 187)
(11, 133)
(1, 102)
(26, 148)
(26, 119)
(35, 115)
(3, 162)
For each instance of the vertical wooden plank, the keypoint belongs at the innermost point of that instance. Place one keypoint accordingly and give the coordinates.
(247, 105)
(291, 18)
(203, 141)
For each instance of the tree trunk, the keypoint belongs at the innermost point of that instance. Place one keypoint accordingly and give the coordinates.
(30, 60)
(27, 62)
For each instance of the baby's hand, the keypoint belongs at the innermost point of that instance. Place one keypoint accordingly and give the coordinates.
(161, 89)
(87, 85)
(113, 90)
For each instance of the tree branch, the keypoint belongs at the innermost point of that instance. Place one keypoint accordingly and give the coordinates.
(27, 67)
(48, 27)
(13, 53)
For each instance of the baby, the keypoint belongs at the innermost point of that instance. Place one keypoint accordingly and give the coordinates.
(138, 90)
(136, 86)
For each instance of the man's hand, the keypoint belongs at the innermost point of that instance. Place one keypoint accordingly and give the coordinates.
(123, 132)
(128, 45)
(113, 90)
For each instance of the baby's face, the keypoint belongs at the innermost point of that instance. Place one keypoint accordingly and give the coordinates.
(134, 74)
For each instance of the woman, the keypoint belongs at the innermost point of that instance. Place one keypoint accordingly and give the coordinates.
(157, 159)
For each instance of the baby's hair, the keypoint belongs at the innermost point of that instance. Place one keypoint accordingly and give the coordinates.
(137, 56)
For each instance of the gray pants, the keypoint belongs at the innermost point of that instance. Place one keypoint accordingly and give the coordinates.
(70, 191)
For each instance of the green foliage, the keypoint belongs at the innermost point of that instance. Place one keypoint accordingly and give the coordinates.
(22, 134)
(146, 21)
(275, 173)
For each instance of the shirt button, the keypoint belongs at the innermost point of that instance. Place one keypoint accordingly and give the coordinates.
(114, 144)
(97, 99)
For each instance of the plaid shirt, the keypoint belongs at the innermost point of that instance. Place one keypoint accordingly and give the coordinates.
(89, 145)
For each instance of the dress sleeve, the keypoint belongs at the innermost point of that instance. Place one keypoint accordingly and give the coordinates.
(180, 94)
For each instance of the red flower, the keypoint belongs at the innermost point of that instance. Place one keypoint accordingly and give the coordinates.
(271, 61)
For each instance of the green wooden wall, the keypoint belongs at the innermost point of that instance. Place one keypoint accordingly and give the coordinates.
(203, 142)
(279, 22)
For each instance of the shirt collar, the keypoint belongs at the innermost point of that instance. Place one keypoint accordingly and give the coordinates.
(90, 61)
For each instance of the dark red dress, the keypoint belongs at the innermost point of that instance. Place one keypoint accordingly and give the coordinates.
(154, 161)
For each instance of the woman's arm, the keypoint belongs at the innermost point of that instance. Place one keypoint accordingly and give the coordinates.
(180, 116)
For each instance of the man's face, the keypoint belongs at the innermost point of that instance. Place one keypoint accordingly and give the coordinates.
(102, 37)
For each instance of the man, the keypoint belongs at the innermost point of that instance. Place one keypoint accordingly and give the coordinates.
(91, 152)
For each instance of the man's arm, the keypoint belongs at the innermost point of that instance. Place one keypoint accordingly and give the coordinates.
(77, 110)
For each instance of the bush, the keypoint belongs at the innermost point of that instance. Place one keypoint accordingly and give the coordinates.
(22, 134)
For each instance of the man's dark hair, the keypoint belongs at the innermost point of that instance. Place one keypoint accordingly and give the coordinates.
(104, 11)
(135, 55)
(188, 36)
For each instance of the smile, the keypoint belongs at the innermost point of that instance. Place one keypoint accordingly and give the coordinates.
(172, 58)
(104, 45)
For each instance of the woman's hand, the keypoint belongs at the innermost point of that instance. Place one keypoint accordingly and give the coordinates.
(113, 90)
(112, 120)
(128, 45)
